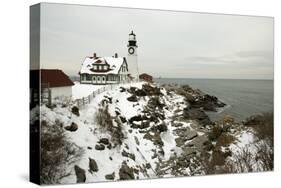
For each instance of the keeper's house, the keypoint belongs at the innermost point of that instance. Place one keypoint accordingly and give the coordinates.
(104, 70)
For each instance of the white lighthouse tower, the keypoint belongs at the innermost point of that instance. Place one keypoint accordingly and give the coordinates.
(133, 56)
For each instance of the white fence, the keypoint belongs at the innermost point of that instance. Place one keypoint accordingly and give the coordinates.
(87, 100)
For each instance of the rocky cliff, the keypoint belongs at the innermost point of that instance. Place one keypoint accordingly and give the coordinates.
(141, 130)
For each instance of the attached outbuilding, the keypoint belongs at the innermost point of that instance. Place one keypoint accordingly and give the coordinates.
(54, 83)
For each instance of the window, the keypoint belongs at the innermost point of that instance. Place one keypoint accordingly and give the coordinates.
(83, 77)
(94, 78)
(88, 77)
(103, 78)
(95, 67)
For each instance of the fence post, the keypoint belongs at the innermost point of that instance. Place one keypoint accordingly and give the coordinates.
(49, 97)
(83, 101)
(89, 99)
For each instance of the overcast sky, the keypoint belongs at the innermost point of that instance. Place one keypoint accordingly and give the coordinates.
(171, 44)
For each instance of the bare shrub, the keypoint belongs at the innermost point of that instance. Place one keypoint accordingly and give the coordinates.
(258, 156)
(262, 124)
(264, 130)
(110, 124)
(243, 161)
(103, 118)
(216, 162)
(215, 132)
(255, 157)
(208, 164)
(265, 156)
(57, 153)
(225, 139)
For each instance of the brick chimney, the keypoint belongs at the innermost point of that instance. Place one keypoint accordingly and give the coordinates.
(94, 55)
(115, 55)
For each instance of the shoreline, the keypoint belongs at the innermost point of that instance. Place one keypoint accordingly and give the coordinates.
(213, 114)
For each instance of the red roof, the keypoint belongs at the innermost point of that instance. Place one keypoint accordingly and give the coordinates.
(145, 75)
(55, 78)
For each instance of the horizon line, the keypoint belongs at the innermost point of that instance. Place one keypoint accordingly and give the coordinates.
(269, 79)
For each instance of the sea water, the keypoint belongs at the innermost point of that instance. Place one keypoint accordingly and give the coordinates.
(244, 98)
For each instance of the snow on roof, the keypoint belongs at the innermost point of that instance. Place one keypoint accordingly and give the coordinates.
(114, 65)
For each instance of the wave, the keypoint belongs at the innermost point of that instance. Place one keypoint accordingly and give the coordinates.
(220, 110)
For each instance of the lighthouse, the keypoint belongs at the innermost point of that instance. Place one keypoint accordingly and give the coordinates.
(133, 56)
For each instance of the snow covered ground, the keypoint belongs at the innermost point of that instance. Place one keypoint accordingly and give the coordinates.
(148, 152)
(88, 134)
(83, 90)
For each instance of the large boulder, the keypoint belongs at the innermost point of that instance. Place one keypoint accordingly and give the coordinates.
(197, 114)
(154, 103)
(132, 98)
(190, 151)
(110, 176)
(75, 110)
(122, 89)
(140, 93)
(162, 127)
(80, 174)
(190, 135)
(207, 102)
(123, 119)
(201, 143)
(99, 147)
(135, 118)
(104, 141)
(151, 90)
(126, 173)
(129, 155)
(142, 125)
(93, 165)
(73, 127)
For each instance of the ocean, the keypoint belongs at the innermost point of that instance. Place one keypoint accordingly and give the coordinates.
(244, 98)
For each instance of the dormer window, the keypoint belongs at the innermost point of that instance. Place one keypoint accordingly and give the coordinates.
(95, 67)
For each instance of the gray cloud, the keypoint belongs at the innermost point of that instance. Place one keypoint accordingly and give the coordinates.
(254, 54)
(171, 44)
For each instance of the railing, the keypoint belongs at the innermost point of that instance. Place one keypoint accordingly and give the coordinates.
(88, 99)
